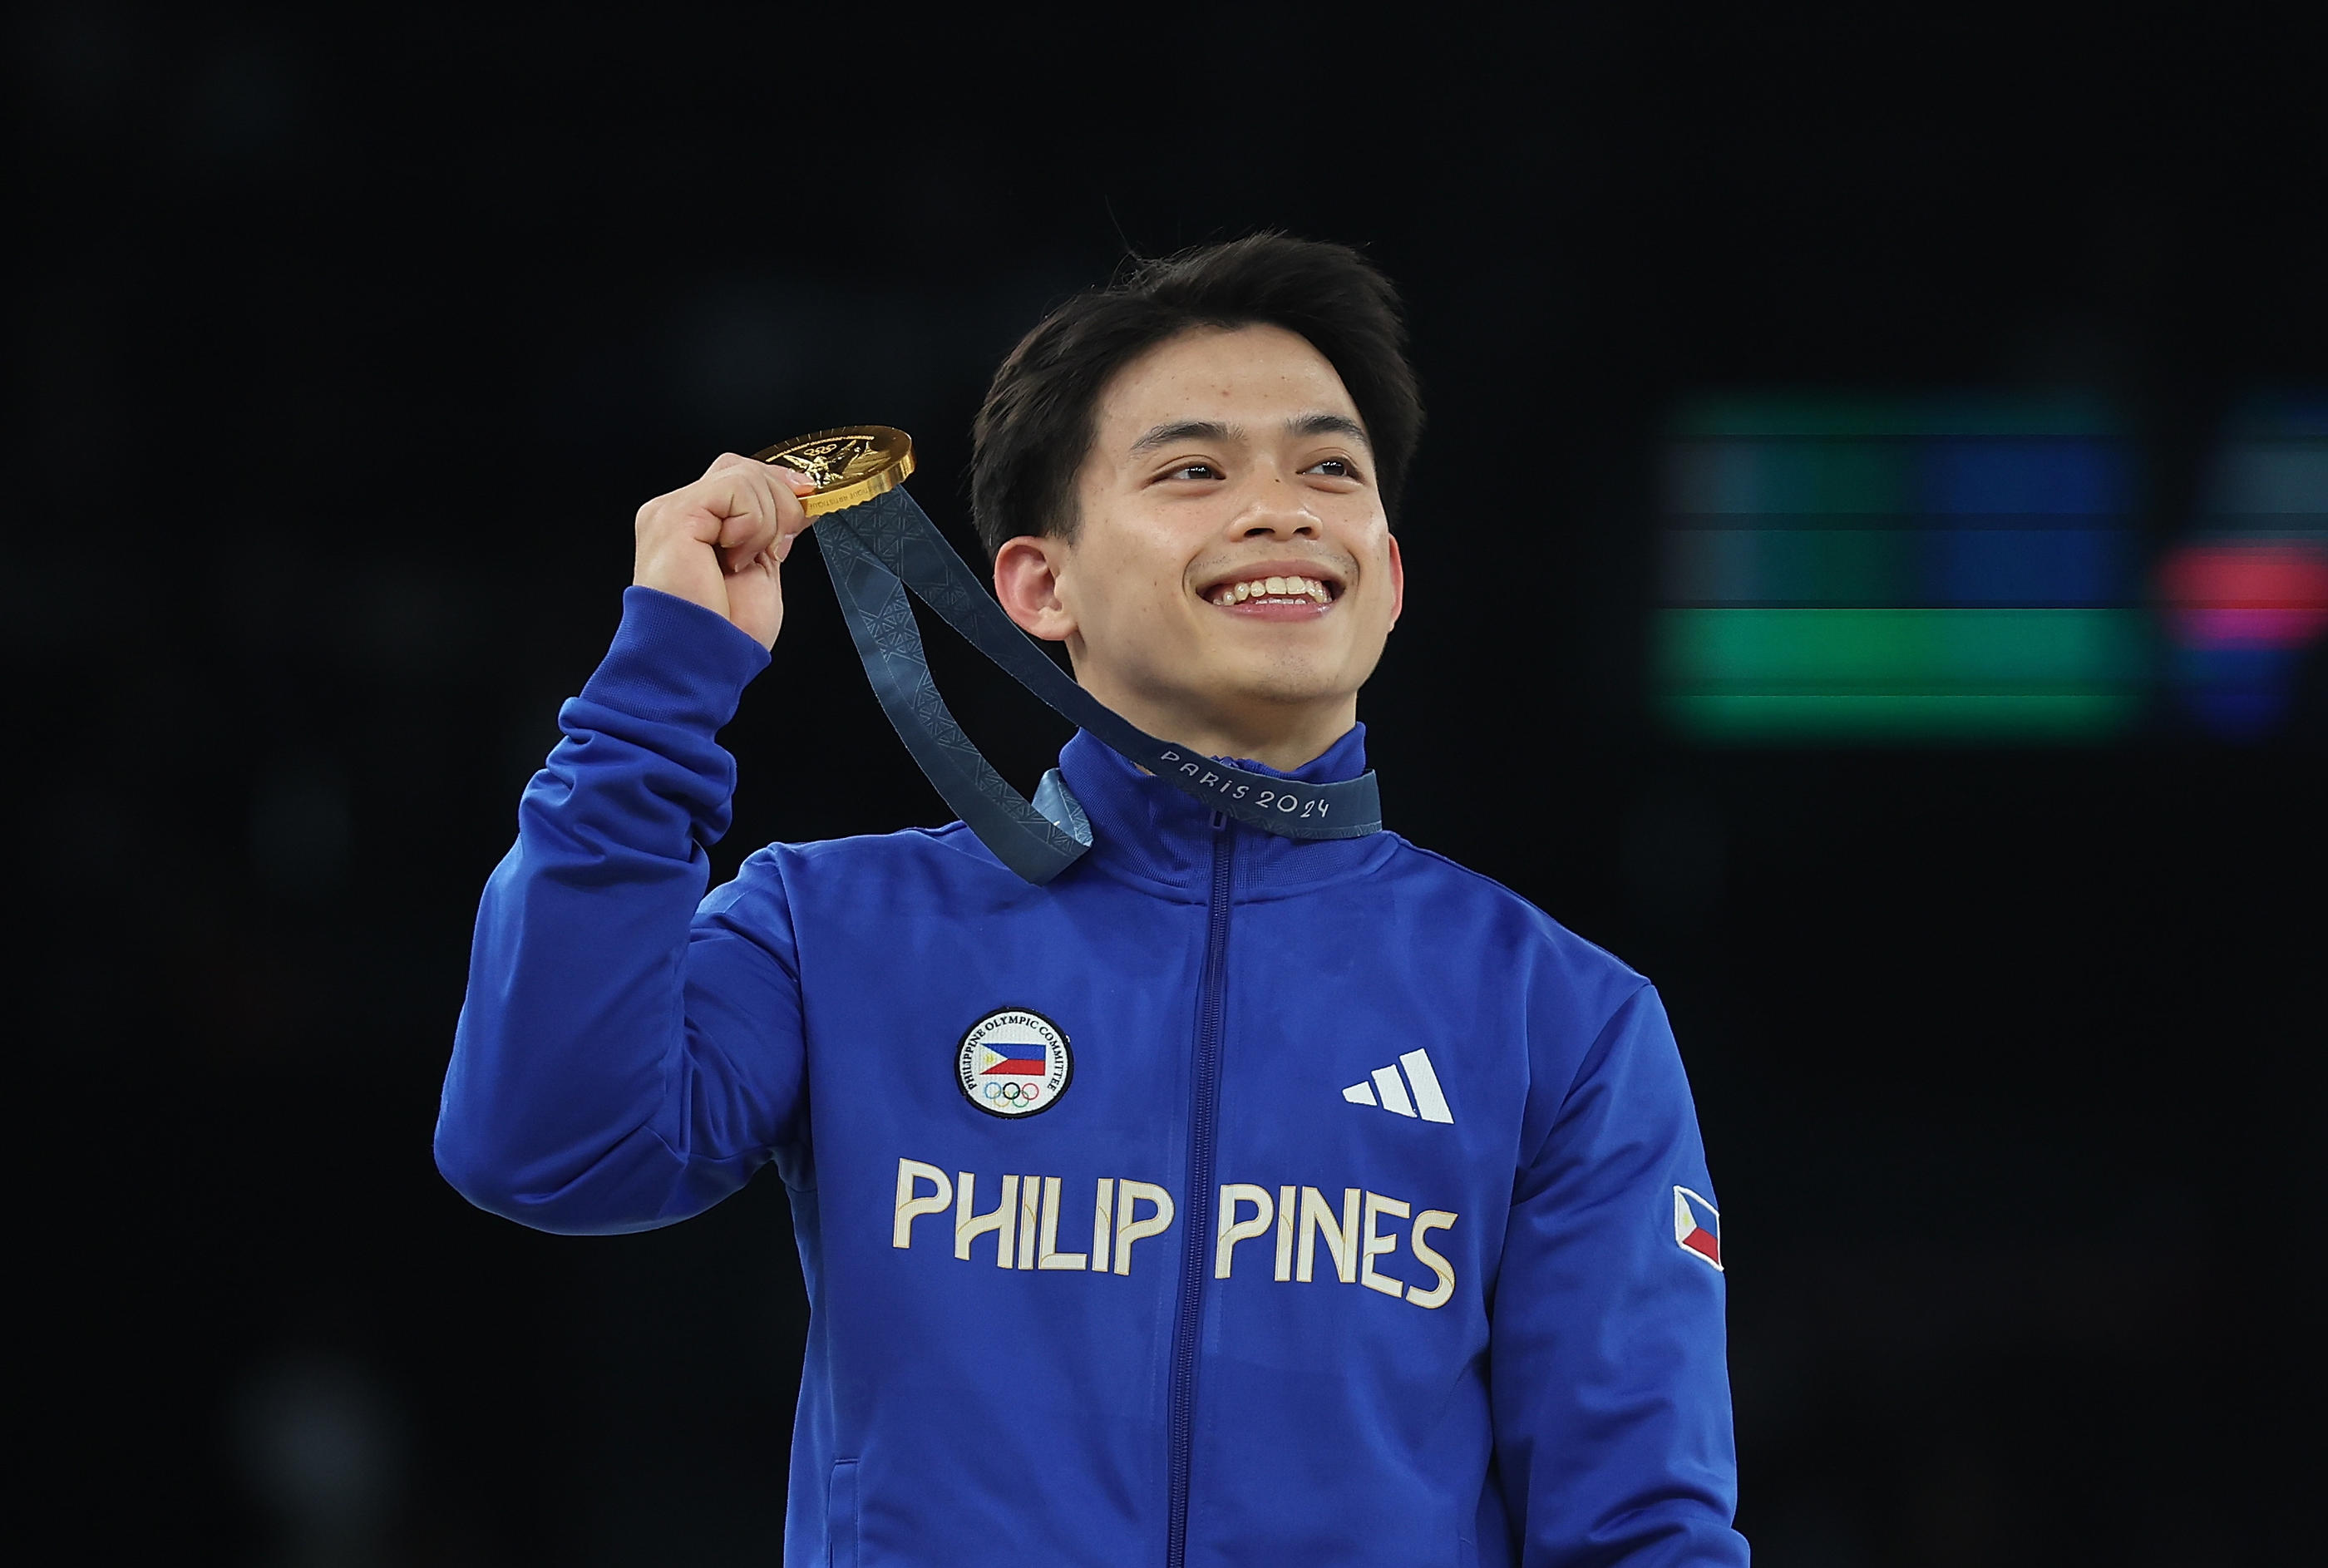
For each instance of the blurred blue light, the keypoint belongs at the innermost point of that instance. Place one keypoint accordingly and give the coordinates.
(2027, 566)
(2024, 478)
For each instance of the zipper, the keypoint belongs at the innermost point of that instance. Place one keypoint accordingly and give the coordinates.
(1210, 1004)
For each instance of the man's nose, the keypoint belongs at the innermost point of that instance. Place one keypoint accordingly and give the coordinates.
(1280, 511)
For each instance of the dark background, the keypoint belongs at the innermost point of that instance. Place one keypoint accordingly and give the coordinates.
(347, 344)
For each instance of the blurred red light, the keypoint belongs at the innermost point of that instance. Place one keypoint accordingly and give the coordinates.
(2261, 594)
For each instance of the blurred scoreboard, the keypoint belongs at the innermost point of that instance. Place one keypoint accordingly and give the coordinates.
(1874, 570)
(1899, 569)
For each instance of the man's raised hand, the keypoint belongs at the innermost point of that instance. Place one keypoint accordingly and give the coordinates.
(719, 542)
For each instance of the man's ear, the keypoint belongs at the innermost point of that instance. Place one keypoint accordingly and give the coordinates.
(1027, 572)
(1397, 581)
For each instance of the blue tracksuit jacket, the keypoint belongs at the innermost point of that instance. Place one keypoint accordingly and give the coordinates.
(1230, 1200)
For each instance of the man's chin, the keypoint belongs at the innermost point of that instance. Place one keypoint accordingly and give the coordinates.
(1291, 688)
(1230, 696)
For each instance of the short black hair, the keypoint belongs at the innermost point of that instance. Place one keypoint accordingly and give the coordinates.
(1036, 427)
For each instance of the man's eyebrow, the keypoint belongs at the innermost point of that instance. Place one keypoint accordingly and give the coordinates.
(1202, 430)
(1214, 432)
(1329, 424)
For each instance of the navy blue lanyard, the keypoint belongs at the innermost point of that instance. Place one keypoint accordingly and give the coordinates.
(880, 549)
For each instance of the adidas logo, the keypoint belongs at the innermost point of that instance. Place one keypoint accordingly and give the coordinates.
(1427, 1102)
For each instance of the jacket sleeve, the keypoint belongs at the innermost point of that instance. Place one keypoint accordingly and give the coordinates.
(622, 1063)
(1608, 1377)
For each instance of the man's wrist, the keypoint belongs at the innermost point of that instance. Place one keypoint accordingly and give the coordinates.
(673, 662)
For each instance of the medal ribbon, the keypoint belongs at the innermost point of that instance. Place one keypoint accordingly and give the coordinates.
(878, 550)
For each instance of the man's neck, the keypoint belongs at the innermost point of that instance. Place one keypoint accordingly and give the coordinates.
(1284, 735)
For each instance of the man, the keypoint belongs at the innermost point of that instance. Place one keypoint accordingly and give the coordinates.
(1232, 1197)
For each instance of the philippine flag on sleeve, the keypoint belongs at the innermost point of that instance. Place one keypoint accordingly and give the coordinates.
(1697, 1226)
(1014, 1059)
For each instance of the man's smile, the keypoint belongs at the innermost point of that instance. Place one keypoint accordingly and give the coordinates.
(1275, 590)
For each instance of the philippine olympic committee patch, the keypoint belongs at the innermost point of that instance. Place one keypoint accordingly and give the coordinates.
(1014, 1062)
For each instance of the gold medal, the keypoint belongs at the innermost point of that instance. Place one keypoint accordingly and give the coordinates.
(853, 464)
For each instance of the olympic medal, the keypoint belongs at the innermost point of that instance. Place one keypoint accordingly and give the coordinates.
(850, 465)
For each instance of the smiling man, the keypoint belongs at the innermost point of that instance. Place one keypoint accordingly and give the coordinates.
(1231, 1198)
(1238, 593)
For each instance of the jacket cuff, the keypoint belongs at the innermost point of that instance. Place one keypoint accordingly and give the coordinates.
(675, 663)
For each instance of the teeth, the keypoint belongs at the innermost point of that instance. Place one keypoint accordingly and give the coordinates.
(1295, 588)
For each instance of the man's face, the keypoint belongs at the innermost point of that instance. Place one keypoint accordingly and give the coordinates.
(1232, 555)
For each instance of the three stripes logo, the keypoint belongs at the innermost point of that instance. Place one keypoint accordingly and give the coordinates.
(1386, 1090)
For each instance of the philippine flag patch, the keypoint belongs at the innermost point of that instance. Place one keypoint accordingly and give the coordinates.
(1014, 1062)
(1697, 1226)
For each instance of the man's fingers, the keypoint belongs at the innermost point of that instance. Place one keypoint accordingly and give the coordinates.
(802, 485)
(746, 513)
(791, 528)
(744, 508)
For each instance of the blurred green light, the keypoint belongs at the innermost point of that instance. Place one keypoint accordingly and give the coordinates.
(2070, 674)
(1835, 718)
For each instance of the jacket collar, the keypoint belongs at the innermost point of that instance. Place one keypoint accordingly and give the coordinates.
(1151, 832)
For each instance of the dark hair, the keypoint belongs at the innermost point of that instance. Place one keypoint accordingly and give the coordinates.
(1036, 427)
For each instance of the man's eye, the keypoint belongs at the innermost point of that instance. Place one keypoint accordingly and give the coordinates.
(1335, 468)
(1194, 470)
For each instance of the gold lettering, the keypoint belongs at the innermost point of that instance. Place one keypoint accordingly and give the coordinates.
(1285, 1208)
(1129, 1229)
(1049, 1256)
(1002, 1221)
(1432, 1219)
(1341, 1240)
(1031, 1198)
(1102, 1208)
(1234, 1230)
(1377, 1243)
(911, 1208)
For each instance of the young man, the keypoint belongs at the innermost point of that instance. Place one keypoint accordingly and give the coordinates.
(1230, 1199)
